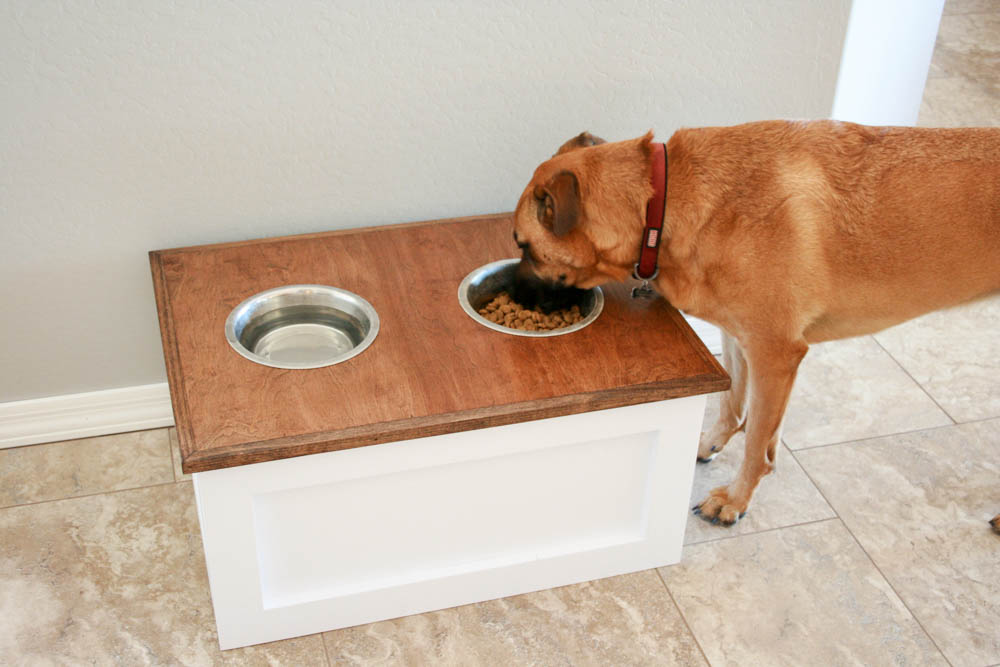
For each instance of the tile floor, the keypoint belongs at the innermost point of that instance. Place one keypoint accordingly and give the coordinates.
(868, 546)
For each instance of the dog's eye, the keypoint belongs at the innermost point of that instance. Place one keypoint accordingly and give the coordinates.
(546, 213)
(546, 209)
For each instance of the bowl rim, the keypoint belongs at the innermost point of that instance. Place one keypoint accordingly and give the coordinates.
(492, 267)
(366, 306)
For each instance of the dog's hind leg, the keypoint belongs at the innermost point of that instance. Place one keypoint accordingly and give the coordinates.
(732, 403)
(772, 366)
(995, 522)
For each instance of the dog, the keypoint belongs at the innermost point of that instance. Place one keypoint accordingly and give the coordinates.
(781, 233)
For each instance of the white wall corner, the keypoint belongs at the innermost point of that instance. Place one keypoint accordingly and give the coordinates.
(886, 57)
(72, 416)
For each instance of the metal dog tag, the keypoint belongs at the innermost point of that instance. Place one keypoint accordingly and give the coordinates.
(643, 291)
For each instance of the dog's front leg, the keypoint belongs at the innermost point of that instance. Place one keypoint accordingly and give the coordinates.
(772, 366)
(732, 403)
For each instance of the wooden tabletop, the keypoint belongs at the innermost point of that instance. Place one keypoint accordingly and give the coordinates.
(431, 370)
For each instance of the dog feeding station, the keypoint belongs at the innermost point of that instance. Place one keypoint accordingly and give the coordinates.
(364, 445)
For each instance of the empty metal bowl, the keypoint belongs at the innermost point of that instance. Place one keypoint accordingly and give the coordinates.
(479, 287)
(302, 326)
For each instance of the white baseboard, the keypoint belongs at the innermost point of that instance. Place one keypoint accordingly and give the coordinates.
(71, 416)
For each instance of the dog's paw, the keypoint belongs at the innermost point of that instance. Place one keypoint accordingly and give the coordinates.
(719, 507)
(995, 522)
(708, 448)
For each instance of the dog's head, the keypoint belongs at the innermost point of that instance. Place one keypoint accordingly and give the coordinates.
(579, 220)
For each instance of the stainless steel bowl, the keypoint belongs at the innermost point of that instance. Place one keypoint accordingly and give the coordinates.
(479, 287)
(302, 326)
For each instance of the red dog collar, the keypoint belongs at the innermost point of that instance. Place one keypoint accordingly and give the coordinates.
(645, 268)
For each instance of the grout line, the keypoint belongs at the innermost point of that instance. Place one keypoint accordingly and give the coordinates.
(90, 495)
(892, 435)
(871, 438)
(872, 561)
(909, 375)
(170, 453)
(681, 612)
(765, 530)
(979, 421)
(326, 651)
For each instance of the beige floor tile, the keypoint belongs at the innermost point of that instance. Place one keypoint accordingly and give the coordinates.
(82, 467)
(954, 101)
(955, 356)
(918, 503)
(935, 71)
(627, 620)
(175, 454)
(968, 45)
(784, 498)
(851, 389)
(970, 7)
(963, 85)
(116, 578)
(806, 595)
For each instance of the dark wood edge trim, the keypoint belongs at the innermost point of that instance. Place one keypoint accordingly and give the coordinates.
(375, 434)
(175, 374)
(336, 232)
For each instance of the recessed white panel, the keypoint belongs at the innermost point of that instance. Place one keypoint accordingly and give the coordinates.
(344, 538)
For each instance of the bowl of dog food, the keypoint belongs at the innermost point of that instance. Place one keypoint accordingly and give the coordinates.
(486, 295)
(302, 326)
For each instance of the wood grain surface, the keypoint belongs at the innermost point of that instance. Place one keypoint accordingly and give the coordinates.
(431, 370)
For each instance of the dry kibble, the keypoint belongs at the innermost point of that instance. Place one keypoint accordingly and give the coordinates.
(504, 310)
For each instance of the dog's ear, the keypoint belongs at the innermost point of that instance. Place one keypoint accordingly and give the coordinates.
(559, 203)
(646, 143)
(582, 140)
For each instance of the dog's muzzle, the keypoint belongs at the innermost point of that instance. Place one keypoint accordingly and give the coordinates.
(536, 293)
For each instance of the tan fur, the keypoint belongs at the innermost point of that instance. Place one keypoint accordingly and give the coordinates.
(783, 234)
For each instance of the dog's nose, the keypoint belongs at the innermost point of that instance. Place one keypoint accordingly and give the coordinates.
(520, 244)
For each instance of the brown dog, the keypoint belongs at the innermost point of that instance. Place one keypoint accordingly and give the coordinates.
(781, 233)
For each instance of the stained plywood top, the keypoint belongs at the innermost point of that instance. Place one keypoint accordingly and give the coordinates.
(431, 370)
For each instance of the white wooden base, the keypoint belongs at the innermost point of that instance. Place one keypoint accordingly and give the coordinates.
(314, 543)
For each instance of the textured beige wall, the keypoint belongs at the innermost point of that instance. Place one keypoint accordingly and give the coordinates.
(130, 126)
